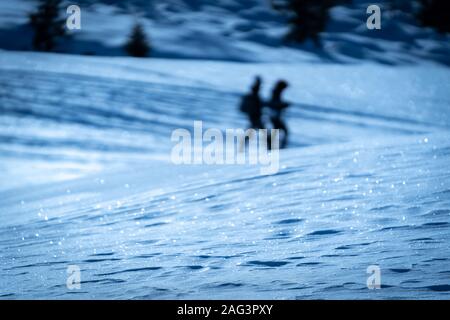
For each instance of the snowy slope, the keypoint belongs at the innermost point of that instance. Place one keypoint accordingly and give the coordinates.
(84, 147)
(127, 108)
(309, 232)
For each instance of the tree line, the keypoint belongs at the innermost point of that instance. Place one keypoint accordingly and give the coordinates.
(307, 19)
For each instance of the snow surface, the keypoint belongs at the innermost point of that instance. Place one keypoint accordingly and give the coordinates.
(235, 30)
(86, 180)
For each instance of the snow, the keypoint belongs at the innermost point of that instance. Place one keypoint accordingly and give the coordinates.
(87, 181)
(86, 177)
(234, 31)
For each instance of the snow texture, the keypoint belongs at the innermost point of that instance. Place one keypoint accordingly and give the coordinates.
(86, 177)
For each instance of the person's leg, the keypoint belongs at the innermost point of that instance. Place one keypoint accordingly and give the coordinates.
(281, 126)
(276, 125)
(259, 124)
(284, 128)
(242, 143)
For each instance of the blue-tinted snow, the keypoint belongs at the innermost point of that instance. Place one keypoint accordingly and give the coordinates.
(86, 181)
(234, 30)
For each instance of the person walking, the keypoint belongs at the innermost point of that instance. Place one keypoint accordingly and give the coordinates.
(251, 105)
(277, 106)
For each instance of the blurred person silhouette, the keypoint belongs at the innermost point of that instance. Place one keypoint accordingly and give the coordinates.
(277, 106)
(251, 105)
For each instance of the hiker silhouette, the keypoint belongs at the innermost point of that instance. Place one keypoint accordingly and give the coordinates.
(252, 104)
(277, 106)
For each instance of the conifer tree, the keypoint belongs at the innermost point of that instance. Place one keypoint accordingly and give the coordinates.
(137, 44)
(435, 14)
(307, 18)
(47, 25)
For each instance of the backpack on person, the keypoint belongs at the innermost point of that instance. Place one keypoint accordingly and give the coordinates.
(246, 104)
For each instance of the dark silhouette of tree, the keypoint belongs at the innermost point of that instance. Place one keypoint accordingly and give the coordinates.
(435, 14)
(47, 25)
(307, 18)
(137, 44)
